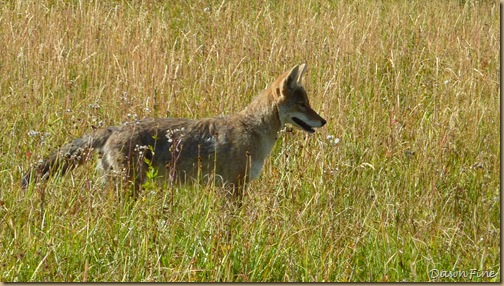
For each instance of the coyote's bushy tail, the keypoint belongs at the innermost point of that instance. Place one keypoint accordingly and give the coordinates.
(69, 156)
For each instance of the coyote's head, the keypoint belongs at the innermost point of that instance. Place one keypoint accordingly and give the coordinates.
(293, 104)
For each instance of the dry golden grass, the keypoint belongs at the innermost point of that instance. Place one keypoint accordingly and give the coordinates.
(410, 92)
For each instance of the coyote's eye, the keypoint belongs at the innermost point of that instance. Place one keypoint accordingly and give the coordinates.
(302, 104)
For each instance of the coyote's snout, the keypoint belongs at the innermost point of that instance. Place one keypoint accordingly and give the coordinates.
(233, 148)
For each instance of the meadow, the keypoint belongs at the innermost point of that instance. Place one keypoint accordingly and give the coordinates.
(402, 184)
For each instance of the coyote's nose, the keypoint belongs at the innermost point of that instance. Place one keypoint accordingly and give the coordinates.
(323, 122)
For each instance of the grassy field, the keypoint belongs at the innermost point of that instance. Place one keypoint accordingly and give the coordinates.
(402, 184)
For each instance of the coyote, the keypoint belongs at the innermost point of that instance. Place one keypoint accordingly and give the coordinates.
(232, 148)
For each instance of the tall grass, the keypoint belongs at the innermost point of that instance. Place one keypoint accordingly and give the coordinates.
(402, 181)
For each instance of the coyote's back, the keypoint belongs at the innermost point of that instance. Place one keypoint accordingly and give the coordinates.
(231, 149)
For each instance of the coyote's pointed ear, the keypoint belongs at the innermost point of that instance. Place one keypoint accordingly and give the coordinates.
(294, 78)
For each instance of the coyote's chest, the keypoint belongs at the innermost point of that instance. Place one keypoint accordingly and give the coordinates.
(262, 150)
(255, 169)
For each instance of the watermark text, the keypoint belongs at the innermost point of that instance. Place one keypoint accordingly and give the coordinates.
(466, 274)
